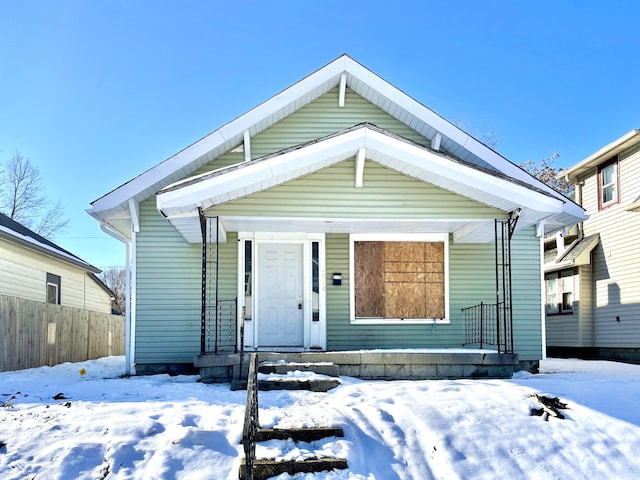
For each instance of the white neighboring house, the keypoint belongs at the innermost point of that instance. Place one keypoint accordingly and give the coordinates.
(35, 268)
(591, 272)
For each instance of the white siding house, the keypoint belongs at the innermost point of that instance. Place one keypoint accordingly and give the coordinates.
(35, 268)
(599, 262)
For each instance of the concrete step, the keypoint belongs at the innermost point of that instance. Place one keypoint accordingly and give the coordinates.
(293, 383)
(323, 368)
(285, 382)
(267, 468)
(304, 434)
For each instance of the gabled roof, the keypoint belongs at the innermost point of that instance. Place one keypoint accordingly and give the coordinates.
(180, 202)
(114, 208)
(578, 253)
(98, 281)
(629, 140)
(17, 233)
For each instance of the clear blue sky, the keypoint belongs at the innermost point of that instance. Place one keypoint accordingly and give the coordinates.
(96, 92)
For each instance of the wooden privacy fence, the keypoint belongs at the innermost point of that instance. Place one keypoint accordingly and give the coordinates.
(33, 334)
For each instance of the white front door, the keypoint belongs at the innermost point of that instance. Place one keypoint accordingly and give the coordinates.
(279, 302)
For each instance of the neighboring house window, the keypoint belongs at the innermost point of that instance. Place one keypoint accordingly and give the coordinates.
(53, 288)
(396, 280)
(560, 294)
(608, 183)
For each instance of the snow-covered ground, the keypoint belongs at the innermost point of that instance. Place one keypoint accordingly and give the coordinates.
(162, 427)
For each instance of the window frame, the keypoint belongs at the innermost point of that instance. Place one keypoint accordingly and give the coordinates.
(382, 237)
(612, 162)
(560, 291)
(55, 281)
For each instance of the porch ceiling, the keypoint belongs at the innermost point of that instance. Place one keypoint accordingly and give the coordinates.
(352, 225)
(463, 230)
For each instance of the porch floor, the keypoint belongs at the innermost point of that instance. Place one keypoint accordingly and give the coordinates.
(410, 364)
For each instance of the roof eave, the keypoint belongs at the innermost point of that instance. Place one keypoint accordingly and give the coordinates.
(429, 164)
(298, 95)
(625, 142)
(35, 246)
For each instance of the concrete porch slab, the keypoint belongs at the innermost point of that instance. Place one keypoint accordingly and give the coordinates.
(373, 365)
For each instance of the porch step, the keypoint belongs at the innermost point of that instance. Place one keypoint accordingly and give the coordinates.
(305, 434)
(281, 375)
(268, 468)
(283, 382)
(322, 368)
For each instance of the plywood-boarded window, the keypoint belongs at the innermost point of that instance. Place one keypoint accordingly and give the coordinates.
(399, 280)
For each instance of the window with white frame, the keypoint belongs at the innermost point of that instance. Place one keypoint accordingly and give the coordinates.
(608, 193)
(399, 279)
(560, 291)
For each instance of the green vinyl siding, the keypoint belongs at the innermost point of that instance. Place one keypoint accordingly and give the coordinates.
(472, 280)
(323, 117)
(320, 118)
(168, 289)
(331, 193)
(526, 277)
(168, 295)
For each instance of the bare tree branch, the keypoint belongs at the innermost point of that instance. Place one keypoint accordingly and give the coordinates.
(487, 136)
(547, 172)
(21, 198)
(53, 221)
(114, 278)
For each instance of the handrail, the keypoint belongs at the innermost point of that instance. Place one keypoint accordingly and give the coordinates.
(220, 327)
(241, 342)
(483, 326)
(251, 421)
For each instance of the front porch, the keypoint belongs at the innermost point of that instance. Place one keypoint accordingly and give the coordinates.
(410, 364)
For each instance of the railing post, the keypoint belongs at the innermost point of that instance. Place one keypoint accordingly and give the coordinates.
(242, 339)
(481, 323)
(217, 278)
(251, 421)
(203, 299)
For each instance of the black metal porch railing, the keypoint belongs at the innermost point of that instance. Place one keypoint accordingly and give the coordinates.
(251, 421)
(220, 327)
(488, 324)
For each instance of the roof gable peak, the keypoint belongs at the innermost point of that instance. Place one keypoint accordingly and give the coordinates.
(345, 72)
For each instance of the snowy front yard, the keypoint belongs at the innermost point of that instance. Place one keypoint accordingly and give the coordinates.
(162, 427)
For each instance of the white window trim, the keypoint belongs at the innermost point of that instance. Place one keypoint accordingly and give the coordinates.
(392, 237)
(55, 285)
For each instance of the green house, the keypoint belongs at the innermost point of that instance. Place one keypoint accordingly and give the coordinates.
(339, 215)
